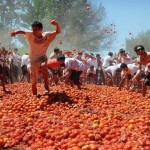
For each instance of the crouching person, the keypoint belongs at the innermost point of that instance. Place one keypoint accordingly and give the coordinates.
(55, 70)
(113, 75)
(128, 71)
(146, 79)
(91, 74)
(74, 69)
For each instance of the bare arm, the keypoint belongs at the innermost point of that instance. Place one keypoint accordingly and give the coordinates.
(113, 79)
(126, 57)
(58, 31)
(122, 82)
(68, 73)
(138, 72)
(14, 33)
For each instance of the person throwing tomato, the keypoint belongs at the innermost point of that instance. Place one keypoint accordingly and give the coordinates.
(38, 45)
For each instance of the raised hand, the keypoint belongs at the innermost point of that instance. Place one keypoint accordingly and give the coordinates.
(13, 34)
(53, 22)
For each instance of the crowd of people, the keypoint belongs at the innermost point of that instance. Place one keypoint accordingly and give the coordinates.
(72, 67)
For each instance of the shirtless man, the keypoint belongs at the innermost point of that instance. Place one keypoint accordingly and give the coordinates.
(39, 43)
(144, 59)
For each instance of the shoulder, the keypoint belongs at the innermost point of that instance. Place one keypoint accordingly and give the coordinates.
(50, 34)
(28, 34)
(148, 53)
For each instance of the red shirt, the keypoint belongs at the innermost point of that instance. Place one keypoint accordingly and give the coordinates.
(53, 64)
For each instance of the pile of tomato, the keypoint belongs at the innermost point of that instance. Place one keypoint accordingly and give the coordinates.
(94, 118)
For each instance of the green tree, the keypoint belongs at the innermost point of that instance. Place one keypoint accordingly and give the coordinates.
(10, 18)
(142, 38)
(81, 28)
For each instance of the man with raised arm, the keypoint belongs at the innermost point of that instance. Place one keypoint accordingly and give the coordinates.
(38, 45)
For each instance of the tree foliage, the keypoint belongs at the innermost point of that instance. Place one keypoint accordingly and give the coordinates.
(81, 28)
(143, 38)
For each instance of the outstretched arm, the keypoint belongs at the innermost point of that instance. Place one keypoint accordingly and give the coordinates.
(53, 22)
(14, 33)
(137, 73)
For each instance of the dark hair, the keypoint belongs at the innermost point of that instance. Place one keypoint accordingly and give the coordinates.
(121, 50)
(92, 54)
(97, 55)
(80, 53)
(37, 24)
(61, 57)
(118, 70)
(110, 54)
(123, 65)
(62, 65)
(3, 48)
(91, 66)
(56, 49)
(15, 49)
(139, 47)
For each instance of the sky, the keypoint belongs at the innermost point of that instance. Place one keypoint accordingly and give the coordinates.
(128, 16)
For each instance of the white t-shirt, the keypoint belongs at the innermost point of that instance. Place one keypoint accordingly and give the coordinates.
(126, 61)
(107, 61)
(53, 55)
(132, 69)
(111, 70)
(7, 61)
(25, 60)
(74, 64)
(16, 59)
(92, 62)
(38, 47)
(91, 71)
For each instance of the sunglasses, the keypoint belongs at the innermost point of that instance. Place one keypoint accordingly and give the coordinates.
(138, 50)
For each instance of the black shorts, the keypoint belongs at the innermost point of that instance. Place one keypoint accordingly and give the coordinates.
(147, 79)
(129, 76)
(1, 69)
(6, 71)
(24, 70)
(91, 75)
(75, 76)
(15, 70)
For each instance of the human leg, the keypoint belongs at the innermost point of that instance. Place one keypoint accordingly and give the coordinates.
(34, 74)
(45, 77)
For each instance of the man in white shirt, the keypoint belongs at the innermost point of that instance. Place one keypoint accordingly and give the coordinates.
(74, 69)
(92, 61)
(113, 73)
(39, 43)
(124, 57)
(108, 60)
(128, 71)
(54, 54)
(24, 64)
(91, 74)
(15, 65)
(25, 59)
(7, 66)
